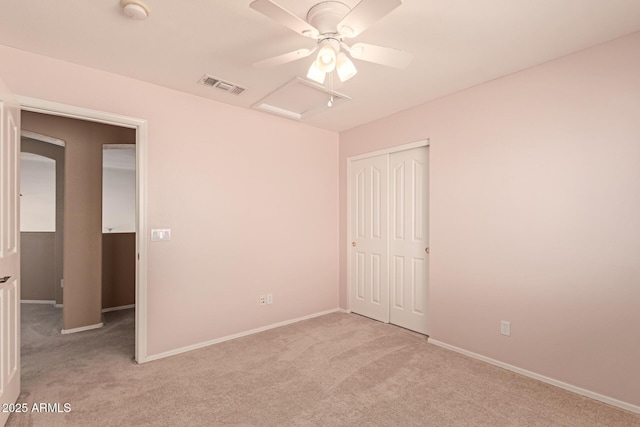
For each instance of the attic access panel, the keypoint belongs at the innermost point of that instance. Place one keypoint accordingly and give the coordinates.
(299, 99)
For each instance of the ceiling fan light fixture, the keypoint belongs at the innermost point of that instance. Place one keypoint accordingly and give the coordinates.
(326, 60)
(345, 67)
(329, 23)
(316, 74)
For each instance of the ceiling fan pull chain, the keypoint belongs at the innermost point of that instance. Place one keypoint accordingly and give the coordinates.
(330, 103)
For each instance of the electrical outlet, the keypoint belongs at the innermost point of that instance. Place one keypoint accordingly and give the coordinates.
(505, 328)
(262, 300)
(269, 298)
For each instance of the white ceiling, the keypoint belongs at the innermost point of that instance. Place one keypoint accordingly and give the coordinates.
(457, 44)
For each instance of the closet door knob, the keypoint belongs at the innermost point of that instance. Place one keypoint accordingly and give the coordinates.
(353, 244)
(426, 250)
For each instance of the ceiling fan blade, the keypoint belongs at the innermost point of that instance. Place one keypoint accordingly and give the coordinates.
(284, 58)
(364, 14)
(381, 55)
(284, 17)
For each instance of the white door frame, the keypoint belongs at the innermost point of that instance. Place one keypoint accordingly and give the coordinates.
(390, 150)
(140, 125)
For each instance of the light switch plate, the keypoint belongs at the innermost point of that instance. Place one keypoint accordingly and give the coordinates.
(160, 234)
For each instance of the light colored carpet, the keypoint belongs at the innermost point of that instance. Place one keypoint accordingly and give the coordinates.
(335, 370)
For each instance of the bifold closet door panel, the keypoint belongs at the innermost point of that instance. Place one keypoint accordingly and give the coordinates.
(409, 238)
(369, 238)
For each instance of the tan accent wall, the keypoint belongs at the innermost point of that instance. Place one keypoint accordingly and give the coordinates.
(82, 264)
(37, 266)
(118, 269)
(55, 153)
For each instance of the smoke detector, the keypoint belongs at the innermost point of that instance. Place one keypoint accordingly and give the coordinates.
(135, 9)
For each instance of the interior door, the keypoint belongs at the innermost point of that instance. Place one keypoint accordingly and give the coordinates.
(369, 238)
(408, 238)
(9, 252)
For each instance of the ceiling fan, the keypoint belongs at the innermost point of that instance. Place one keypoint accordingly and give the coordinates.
(330, 23)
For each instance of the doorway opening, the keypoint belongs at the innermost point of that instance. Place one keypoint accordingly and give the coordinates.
(139, 129)
(41, 218)
(118, 226)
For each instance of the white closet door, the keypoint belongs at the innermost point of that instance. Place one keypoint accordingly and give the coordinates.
(409, 238)
(369, 237)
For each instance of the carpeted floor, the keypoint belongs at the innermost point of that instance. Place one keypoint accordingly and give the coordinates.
(334, 370)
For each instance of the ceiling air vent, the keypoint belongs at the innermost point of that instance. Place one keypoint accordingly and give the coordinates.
(237, 90)
(208, 81)
(211, 81)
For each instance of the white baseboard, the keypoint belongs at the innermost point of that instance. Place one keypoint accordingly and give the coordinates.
(544, 379)
(234, 336)
(82, 328)
(120, 307)
(58, 305)
(37, 301)
(342, 310)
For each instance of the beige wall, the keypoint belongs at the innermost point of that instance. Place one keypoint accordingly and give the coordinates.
(56, 153)
(82, 265)
(118, 269)
(37, 266)
(535, 194)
